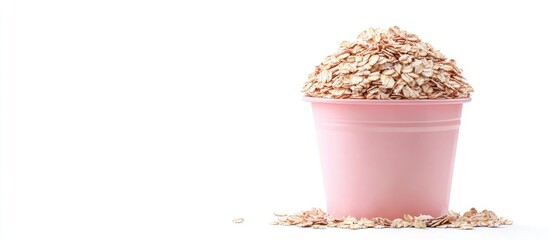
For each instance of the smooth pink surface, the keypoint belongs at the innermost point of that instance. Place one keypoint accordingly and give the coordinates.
(387, 158)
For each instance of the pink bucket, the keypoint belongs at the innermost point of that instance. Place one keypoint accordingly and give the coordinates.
(387, 158)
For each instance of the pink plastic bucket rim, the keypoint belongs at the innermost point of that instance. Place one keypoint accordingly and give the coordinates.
(387, 102)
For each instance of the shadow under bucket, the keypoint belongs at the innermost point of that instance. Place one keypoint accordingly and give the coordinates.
(387, 158)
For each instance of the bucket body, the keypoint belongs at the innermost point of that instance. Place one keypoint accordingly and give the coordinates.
(387, 158)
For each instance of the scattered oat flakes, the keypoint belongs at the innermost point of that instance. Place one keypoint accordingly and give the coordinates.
(399, 223)
(318, 219)
(466, 226)
(319, 227)
(387, 64)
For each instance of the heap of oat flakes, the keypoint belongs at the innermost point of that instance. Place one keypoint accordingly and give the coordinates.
(387, 64)
(316, 218)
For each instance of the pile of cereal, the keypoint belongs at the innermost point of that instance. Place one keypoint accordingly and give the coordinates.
(387, 64)
(317, 218)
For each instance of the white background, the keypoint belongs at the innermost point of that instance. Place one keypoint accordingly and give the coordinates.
(162, 119)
